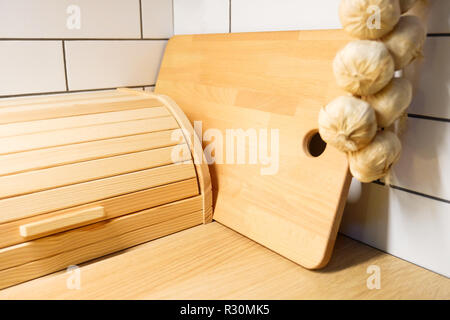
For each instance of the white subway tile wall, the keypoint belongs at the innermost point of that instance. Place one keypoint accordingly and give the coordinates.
(157, 18)
(425, 163)
(201, 16)
(432, 97)
(270, 15)
(409, 226)
(440, 18)
(31, 66)
(115, 63)
(50, 19)
(411, 219)
(49, 46)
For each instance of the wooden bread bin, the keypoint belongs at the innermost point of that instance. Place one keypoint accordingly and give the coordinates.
(84, 175)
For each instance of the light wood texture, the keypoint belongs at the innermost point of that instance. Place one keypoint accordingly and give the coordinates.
(120, 241)
(55, 177)
(273, 80)
(231, 266)
(19, 128)
(69, 109)
(60, 198)
(76, 135)
(65, 97)
(101, 231)
(62, 155)
(195, 145)
(61, 222)
(114, 207)
(198, 156)
(86, 176)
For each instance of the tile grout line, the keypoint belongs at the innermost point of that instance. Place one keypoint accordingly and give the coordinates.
(424, 117)
(229, 16)
(424, 195)
(444, 34)
(140, 19)
(173, 19)
(65, 64)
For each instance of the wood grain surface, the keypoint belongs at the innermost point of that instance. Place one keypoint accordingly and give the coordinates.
(19, 128)
(55, 177)
(101, 231)
(195, 145)
(114, 207)
(59, 223)
(63, 137)
(85, 177)
(267, 81)
(230, 266)
(65, 97)
(118, 241)
(64, 197)
(44, 111)
(62, 155)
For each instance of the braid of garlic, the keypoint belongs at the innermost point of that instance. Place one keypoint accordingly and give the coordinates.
(366, 69)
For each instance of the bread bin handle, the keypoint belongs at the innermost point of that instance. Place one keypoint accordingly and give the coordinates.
(62, 222)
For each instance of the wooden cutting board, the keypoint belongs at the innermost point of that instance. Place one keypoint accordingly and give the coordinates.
(269, 80)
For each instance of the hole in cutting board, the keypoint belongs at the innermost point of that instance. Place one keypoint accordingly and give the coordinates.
(313, 144)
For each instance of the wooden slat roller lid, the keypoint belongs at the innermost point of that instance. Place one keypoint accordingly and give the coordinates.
(76, 167)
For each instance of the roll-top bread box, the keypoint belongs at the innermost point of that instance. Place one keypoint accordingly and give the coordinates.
(88, 174)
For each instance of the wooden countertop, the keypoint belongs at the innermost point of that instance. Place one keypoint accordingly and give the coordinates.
(231, 266)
